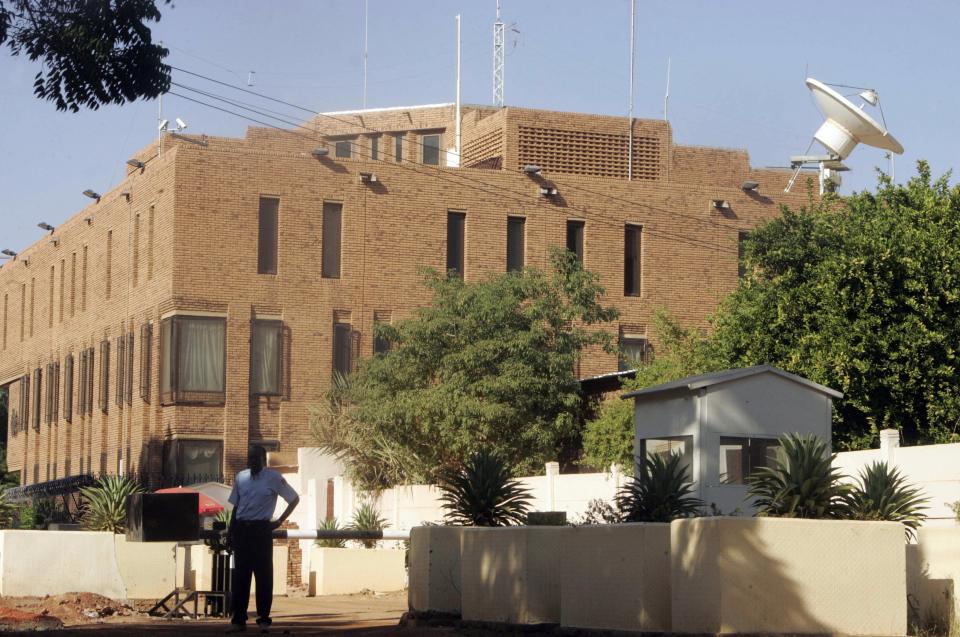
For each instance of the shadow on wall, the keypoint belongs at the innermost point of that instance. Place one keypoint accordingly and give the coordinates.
(931, 597)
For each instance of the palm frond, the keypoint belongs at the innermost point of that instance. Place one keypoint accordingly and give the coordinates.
(882, 493)
(104, 506)
(660, 492)
(483, 493)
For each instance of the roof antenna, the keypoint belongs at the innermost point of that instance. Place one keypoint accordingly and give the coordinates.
(498, 60)
(666, 97)
(250, 78)
(633, 29)
(366, 19)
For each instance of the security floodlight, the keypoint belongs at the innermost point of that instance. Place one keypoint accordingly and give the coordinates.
(125, 194)
(320, 152)
(368, 178)
(163, 125)
(45, 226)
(8, 252)
(55, 241)
(870, 97)
(532, 169)
(720, 204)
(92, 194)
(136, 163)
(181, 125)
(750, 185)
(548, 191)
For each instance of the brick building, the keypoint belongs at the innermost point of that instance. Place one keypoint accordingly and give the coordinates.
(204, 303)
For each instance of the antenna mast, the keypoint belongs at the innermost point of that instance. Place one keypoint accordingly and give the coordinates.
(633, 15)
(498, 60)
(366, 18)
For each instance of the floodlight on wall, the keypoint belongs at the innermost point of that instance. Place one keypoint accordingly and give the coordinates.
(368, 178)
(750, 185)
(320, 152)
(7, 252)
(532, 169)
(92, 194)
(136, 163)
(163, 125)
(125, 194)
(45, 226)
(548, 191)
(721, 204)
(870, 97)
(181, 125)
(54, 241)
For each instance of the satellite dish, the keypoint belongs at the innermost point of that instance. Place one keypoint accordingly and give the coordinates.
(847, 125)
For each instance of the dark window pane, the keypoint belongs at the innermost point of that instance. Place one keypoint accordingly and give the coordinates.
(456, 225)
(375, 147)
(166, 360)
(682, 445)
(343, 148)
(575, 238)
(104, 396)
(265, 357)
(332, 220)
(146, 356)
(342, 349)
(741, 252)
(431, 149)
(515, 243)
(398, 147)
(129, 384)
(633, 351)
(68, 388)
(734, 462)
(121, 369)
(631, 261)
(37, 388)
(193, 461)
(267, 252)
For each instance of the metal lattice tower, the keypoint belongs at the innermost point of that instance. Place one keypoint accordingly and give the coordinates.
(498, 47)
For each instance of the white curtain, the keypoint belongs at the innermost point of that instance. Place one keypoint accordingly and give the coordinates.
(201, 355)
(265, 359)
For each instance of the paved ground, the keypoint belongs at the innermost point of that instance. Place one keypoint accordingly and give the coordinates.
(360, 615)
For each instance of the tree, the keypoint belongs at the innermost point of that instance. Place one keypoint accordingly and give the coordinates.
(861, 294)
(93, 52)
(487, 365)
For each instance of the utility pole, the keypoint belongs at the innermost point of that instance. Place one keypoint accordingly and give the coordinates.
(498, 46)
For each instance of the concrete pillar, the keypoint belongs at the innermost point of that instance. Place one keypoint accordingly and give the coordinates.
(889, 443)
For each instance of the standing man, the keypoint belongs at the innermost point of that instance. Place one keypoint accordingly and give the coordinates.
(254, 499)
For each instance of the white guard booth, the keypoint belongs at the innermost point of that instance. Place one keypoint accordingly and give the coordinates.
(726, 424)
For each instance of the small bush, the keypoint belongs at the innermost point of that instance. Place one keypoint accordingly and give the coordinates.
(367, 518)
(483, 493)
(660, 493)
(104, 505)
(599, 512)
(330, 525)
(881, 493)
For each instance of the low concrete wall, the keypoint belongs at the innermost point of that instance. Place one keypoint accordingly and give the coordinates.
(769, 575)
(511, 575)
(615, 577)
(345, 571)
(435, 569)
(148, 569)
(933, 578)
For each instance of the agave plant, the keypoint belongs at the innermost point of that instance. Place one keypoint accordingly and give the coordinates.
(800, 482)
(483, 493)
(881, 493)
(660, 492)
(104, 505)
(367, 518)
(330, 525)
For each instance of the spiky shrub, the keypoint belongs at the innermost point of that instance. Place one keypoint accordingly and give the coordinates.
(330, 525)
(483, 493)
(660, 492)
(881, 493)
(105, 504)
(8, 511)
(800, 482)
(367, 518)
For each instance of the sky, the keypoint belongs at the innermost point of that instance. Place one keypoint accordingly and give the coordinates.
(736, 81)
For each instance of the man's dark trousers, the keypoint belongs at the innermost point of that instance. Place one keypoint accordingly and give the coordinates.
(252, 556)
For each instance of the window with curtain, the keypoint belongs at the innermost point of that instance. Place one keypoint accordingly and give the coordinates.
(189, 461)
(430, 145)
(266, 355)
(192, 360)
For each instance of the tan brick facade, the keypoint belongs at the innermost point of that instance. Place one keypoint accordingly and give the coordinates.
(180, 237)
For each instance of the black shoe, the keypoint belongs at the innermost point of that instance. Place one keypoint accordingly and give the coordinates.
(236, 628)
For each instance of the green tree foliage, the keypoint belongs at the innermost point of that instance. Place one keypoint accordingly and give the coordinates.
(105, 504)
(93, 52)
(881, 493)
(800, 482)
(863, 295)
(487, 365)
(482, 493)
(608, 438)
(660, 493)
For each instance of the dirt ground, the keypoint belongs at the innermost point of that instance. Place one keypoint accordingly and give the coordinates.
(362, 615)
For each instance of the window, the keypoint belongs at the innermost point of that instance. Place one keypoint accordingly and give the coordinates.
(104, 395)
(634, 350)
(575, 238)
(741, 253)
(681, 445)
(332, 234)
(146, 360)
(266, 356)
(267, 246)
(431, 149)
(631, 260)
(48, 396)
(456, 226)
(54, 381)
(515, 243)
(343, 345)
(191, 461)
(82, 393)
(398, 147)
(24, 401)
(68, 388)
(192, 360)
(381, 344)
(90, 369)
(37, 387)
(375, 147)
(739, 457)
(343, 148)
(121, 369)
(129, 383)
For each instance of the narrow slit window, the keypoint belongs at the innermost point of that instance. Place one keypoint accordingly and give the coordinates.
(516, 229)
(430, 145)
(266, 356)
(129, 383)
(146, 355)
(631, 260)
(575, 238)
(456, 239)
(104, 396)
(332, 235)
(121, 369)
(68, 388)
(742, 238)
(342, 349)
(398, 147)
(267, 246)
(375, 147)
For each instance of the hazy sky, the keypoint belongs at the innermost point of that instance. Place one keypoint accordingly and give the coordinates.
(737, 78)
